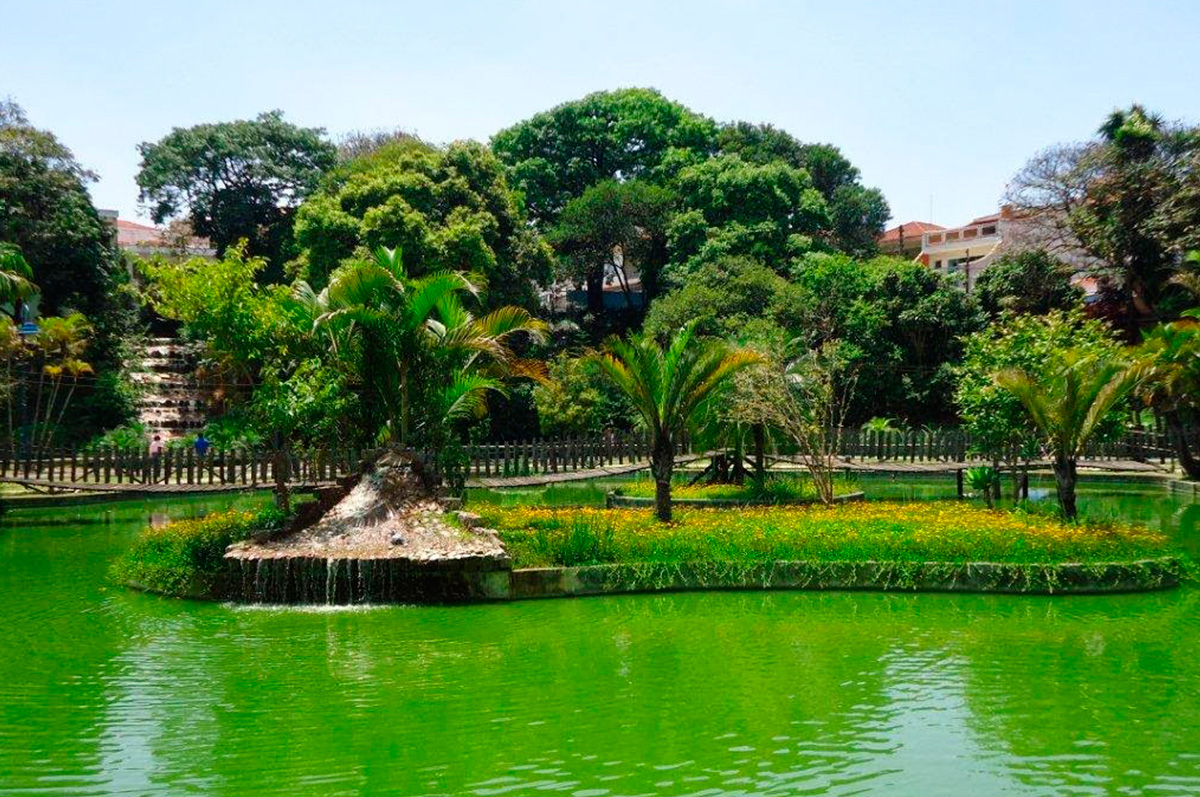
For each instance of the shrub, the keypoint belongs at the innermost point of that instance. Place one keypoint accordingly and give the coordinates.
(185, 558)
(945, 532)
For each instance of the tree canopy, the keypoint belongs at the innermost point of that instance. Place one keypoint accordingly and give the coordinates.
(609, 229)
(1129, 198)
(446, 208)
(235, 180)
(857, 213)
(556, 155)
(770, 212)
(1029, 281)
(47, 214)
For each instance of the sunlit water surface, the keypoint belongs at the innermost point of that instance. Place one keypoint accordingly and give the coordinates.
(108, 691)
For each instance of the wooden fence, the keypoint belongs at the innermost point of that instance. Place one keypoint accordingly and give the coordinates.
(259, 467)
(125, 467)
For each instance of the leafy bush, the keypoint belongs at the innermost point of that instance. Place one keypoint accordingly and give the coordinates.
(185, 557)
(945, 532)
(131, 436)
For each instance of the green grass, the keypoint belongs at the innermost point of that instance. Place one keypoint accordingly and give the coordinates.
(186, 557)
(776, 489)
(945, 532)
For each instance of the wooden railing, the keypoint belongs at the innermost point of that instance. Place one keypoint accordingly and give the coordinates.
(259, 467)
(125, 467)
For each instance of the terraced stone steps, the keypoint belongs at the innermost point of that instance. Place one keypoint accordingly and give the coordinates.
(173, 403)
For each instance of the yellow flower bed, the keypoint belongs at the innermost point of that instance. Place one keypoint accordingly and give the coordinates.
(932, 531)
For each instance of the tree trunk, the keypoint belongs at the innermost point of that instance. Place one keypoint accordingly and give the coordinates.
(403, 407)
(283, 496)
(595, 291)
(760, 458)
(1187, 461)
(662, 463)
(1065, 477)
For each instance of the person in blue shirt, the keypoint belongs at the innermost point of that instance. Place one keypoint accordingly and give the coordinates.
(202, 445)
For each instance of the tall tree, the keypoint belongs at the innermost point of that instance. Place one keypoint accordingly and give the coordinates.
(1129, 198)
(1029, 281)
(1171, 355)
(446, 209)
(46, 213)
(235, 180)
(1069, 404)
(770, 212)
(668, 387)
(556, 155)
(614, 228)
(858, 213)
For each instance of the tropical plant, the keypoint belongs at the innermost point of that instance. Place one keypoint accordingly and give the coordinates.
(984, 481)
(404, 326)
(1068, 404)
(669, 387)
(60, 344)
(16, 278)
(1170, 354)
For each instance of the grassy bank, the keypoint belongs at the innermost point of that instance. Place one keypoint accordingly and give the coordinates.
(183, 558)
(944, 532)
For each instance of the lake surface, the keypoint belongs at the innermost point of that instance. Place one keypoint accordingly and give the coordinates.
(106, 691)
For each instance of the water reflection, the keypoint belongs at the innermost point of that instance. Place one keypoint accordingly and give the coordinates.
(721, 693)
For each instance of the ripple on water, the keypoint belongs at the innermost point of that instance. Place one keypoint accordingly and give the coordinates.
(730, 693)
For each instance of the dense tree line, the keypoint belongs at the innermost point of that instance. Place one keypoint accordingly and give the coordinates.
(659, 215)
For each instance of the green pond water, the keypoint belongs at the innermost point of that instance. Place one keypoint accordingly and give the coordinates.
(107, 691)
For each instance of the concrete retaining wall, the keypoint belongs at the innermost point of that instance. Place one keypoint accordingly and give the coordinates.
(1140, 576)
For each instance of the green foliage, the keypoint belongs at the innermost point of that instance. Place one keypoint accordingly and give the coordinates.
(47, 214)
(857, 213)
(126, 437)
(999, 426)
(898, 323)
(578, 399)
(414, 344)
(1030, 281)
(878, 424)
(770, 212)
(668, 388)
(863, 532)
(16, 277)
(235, 180)
(448, 209)
(727, 298)
(983, 480)
(185, 558)
(1126, 198)
(609, 220)
(556, 155)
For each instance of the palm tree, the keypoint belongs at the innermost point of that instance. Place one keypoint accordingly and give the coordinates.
(1170, 353)
(668, 388)
(402, 323)
(1189, 276)
(61, 341)
(1068, 406)
(16, 278)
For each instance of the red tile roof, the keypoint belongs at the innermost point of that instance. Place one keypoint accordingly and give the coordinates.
(912, 231)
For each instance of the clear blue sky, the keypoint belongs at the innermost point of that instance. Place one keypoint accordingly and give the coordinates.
(928, 99)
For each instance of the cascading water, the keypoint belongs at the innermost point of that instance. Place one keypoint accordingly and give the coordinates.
(386, 541)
